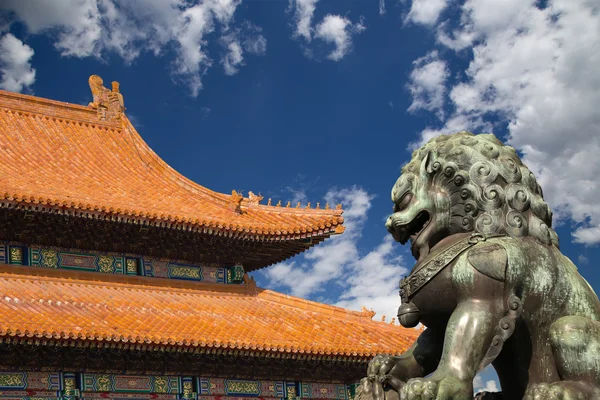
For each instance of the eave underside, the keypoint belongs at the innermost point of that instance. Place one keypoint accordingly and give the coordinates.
(49, 229)
(70, 357)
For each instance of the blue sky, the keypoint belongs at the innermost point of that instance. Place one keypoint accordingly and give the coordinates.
(322, 100)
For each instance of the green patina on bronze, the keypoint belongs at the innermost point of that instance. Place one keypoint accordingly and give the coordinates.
(509, 297)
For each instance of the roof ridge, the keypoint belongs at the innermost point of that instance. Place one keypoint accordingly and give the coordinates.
(20, 102)
(298, 302)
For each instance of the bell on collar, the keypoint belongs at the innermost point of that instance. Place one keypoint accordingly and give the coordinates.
(408, 315)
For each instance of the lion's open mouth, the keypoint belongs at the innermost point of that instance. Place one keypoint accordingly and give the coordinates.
(412, 230)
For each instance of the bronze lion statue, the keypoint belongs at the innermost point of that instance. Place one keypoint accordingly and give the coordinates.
(490, 283)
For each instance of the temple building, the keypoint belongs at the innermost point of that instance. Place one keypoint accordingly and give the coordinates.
(114, 288)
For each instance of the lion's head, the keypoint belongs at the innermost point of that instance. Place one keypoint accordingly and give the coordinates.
(467, 183)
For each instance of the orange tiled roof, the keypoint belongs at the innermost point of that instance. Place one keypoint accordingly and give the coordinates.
(129, 310)
(58, 155)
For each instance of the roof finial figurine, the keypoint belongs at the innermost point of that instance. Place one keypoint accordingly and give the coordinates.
(254, 199)
(289, 204)
(269, 202)
(109, 104)
(308, 205)
(327, 206)
(318, 206)
(236, 200)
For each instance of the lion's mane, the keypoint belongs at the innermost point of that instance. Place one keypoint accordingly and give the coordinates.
(490, 189)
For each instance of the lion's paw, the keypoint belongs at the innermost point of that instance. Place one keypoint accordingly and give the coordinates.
(448, 388)
(564, 390)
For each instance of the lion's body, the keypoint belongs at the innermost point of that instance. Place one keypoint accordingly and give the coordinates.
(490, 282)
(551, 290)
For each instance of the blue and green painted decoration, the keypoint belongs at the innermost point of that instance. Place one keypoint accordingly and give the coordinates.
(86, 386)
(110, 263)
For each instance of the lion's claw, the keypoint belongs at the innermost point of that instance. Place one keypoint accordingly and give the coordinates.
(563, 390)
(447, 388)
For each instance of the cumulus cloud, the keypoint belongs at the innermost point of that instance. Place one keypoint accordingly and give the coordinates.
(339, 261)
(303, 15)
(426, 12)
(16, 73)
(333, 29)
(427, 84)
(90, 28)
(246, 39)
(534, 72)
(338, 31)
(233, 58)
(480, 386)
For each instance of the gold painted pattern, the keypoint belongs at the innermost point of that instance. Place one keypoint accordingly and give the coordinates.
(131, 266)
(242, 387)
(49, 258)
(187, 389)
(103, 383)
(69, 387)
(185, 272)
(105, 264)
(160, 383)
(16, 255)
(12, 380)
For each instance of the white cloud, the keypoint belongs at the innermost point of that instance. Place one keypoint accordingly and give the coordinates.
(256, 44)
(237, 41)
(427, 84)
(16, 73)
(338, 30)
(338, 260)
(535, 70)
(233, 58)
(489, 386)
(426, 12)
(333, 29)
(381, 7)
(89, 28)
(304, 11)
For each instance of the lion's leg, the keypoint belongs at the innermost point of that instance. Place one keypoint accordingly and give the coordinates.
(419, 360)
(575, 343)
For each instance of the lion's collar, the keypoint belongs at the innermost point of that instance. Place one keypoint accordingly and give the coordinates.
(435, 262)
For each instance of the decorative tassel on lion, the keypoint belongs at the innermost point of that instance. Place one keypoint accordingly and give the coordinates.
(490, 283)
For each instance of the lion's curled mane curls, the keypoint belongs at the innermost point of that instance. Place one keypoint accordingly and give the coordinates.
(490, 189)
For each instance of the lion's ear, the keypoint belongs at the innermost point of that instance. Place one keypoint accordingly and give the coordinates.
(427, 165)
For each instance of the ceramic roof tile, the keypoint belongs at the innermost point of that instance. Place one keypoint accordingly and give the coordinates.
(70, 304)
(58, 155)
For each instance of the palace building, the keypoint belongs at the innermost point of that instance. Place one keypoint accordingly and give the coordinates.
(122, 279)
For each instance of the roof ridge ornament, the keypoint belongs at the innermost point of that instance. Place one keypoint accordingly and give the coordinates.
(236, 201)
(108, 103)
(254, 199)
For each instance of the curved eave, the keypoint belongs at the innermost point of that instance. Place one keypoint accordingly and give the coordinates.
(58, 158)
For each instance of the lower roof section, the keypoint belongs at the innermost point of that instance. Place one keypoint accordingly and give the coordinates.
(57, 305)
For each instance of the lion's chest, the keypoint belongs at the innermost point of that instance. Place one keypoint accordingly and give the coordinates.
(437, 296)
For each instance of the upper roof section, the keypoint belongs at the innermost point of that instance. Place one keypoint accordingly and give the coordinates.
(90, 161)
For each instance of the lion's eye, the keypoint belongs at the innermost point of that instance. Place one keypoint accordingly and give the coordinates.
(403, 203)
